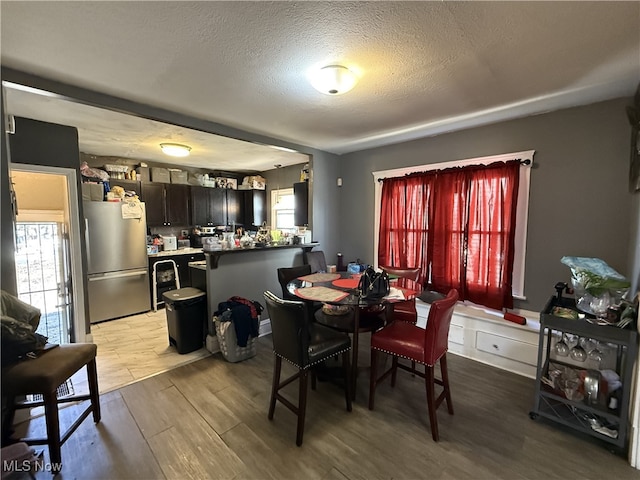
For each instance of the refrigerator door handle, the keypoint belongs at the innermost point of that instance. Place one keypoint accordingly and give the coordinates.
(86, 240)
(110, 276)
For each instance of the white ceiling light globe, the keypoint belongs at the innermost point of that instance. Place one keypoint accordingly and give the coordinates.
(333, 80)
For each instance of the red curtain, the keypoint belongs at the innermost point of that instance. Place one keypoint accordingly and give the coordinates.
(457, 224)
(404, 222)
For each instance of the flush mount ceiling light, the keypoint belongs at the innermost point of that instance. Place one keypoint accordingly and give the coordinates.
(175, 149)
(333, 80)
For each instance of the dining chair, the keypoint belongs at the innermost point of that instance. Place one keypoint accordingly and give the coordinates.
(425, 346)
(304, 344)
(286, 274)
(405, 311)
(316, 260)
(369, 320)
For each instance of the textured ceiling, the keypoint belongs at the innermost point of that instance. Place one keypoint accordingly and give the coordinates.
(424, 67)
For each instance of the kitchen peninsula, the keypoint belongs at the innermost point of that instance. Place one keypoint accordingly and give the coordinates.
(248, 272)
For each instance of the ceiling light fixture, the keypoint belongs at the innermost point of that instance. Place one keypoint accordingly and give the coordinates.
(333, 80)
(175, 149)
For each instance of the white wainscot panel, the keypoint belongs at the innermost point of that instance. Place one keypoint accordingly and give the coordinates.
(507, 347)
(487, 338)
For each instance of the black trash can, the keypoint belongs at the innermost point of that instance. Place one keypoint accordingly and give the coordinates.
(186, 318)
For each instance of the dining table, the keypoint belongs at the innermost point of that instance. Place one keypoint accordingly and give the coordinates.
(342, 289)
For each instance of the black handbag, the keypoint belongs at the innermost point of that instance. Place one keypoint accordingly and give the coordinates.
(374, 284)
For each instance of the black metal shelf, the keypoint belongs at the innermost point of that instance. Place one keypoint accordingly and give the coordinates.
(579, 415)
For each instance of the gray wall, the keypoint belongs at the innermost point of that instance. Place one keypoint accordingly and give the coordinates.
(7, 261)
(48, 144)
(579, 200)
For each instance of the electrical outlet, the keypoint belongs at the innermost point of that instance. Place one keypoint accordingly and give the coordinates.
(184, 233)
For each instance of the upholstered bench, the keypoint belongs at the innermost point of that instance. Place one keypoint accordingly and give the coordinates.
(43, 375)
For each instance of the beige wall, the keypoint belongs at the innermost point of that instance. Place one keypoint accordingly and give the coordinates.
(39, 192)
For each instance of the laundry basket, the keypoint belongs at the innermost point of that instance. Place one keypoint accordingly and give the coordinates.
(226, 333)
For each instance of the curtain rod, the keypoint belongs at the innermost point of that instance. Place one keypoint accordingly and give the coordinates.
(526, 162)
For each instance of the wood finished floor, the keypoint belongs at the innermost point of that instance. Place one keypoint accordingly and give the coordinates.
(208, 419)
(136, 347)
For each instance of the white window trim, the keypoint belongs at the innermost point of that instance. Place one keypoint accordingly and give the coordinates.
(522, 205)
(275, 193)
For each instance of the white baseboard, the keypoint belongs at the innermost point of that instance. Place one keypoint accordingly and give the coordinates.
(265, 327)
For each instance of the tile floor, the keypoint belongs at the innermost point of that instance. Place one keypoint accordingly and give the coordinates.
(137, 347)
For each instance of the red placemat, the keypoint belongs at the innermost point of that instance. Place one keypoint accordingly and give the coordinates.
(321, 294)
(346, 282)
(319, 277)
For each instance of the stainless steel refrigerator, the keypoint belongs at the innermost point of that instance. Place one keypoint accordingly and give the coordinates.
(118, 275)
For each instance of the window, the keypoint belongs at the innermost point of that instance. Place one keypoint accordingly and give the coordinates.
(420, 216)
(282, 210)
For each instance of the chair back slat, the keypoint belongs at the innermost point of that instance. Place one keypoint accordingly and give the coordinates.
(436, 336)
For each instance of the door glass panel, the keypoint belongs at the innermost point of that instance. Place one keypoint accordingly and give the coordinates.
(41, 276)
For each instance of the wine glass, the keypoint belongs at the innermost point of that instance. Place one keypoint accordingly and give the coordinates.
(578, 354)
(571, 339)
(594, 357)
(561, 348)
(588, 344)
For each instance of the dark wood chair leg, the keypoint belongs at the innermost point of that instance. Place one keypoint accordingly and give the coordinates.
(302, 405)
(445, 383)
(354, 351)
(53, 428)
(413, 368)
(94, 392)
(431, 401)
(394, 370)
(313, 380)
(373, 379)
(274, 386)
(7, 419)
(347, 378)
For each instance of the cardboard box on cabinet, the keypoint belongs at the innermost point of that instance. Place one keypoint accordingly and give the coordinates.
(179, 176)
(93, 192)
(226, 182)
(160, 175)
(254, 182)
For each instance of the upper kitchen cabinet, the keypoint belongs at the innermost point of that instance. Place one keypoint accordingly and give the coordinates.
(208, 206)
(235, 207)
(166, 204)
(254, 204)
(301, 203)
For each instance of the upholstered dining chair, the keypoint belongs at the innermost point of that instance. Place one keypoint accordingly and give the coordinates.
(316, 260)
(286, 274)
(304, 344)
(405, 311)
(425, 346)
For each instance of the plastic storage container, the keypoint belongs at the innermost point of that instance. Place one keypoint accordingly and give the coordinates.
(228, 342)
(186, 318)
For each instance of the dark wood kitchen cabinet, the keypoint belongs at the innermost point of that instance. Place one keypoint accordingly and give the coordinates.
(166, 204)
(235, 207)
(254, 208)
(301, 203)
(208, 206)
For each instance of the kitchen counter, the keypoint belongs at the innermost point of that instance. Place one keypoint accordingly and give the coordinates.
(200, 265)
(214, 255)
(248, 272)
(180, 251)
